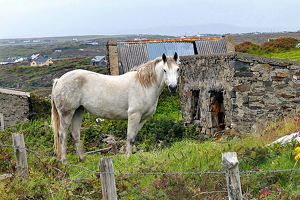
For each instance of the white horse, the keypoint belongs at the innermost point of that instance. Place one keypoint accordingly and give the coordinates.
(131, 96)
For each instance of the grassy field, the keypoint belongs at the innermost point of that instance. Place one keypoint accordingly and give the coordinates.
(293, 54)
(49, 178)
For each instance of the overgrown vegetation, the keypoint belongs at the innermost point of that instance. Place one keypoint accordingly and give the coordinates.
(247, 47)
(284, 48)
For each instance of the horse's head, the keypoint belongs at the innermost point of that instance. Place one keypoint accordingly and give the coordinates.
(171, 72)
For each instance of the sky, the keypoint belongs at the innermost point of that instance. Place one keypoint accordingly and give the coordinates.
(37, 18)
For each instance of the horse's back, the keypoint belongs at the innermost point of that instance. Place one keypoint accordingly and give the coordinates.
(102, 95)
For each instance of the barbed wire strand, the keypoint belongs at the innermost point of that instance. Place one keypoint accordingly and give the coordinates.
(99, 150)
(149, 173)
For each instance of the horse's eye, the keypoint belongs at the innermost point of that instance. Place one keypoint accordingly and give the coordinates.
(165, 70)
(178, 70)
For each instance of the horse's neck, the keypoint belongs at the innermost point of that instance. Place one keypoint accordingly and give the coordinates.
(160, 76)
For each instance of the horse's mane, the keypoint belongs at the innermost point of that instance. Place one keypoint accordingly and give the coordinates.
(145, 73)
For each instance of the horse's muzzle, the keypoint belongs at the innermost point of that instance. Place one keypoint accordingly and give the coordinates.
(173, 88)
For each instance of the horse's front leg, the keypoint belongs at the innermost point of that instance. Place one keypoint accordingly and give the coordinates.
(134, 126)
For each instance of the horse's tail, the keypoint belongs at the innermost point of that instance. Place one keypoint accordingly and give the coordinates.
(55, 122)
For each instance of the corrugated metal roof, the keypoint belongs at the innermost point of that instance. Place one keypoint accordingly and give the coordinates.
(131, 55)
(211, 46)
(185, 48)
(134, 53)
(157, 49)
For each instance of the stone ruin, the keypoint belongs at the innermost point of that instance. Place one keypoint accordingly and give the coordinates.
(236, 92)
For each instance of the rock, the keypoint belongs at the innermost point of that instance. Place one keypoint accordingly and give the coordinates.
(242, 88)
(287, 139)
(99, 120)
(5, 176)
(110, 140)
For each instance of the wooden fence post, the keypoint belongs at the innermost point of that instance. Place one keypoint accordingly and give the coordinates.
(231, 165)
(108, 183)
(21, 158)
(1, 122)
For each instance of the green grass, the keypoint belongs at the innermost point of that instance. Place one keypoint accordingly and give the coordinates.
(293, 54)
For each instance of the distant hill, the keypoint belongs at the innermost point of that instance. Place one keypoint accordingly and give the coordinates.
(261, 38)
(203, 29)
(218, 29)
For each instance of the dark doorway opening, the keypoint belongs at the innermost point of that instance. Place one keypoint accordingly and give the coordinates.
(217, 109)
(196, 105)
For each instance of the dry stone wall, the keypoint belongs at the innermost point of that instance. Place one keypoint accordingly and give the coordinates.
(237, 92)
(14, 107)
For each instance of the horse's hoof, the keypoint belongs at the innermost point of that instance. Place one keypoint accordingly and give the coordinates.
(82, 159)
(128, 155)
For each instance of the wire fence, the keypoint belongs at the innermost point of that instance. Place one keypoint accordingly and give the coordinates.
(147, 173)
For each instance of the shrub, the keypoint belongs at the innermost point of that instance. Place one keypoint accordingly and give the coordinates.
(281, 44)
(247, 47)
(161, 131)
(39, 107)
(165, 130)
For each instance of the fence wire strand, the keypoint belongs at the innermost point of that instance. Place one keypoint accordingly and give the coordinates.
(148, 173)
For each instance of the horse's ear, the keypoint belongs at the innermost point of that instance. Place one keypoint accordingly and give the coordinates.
(164, 57)
(175, 56)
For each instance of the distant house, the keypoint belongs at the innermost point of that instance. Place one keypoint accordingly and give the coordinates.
(91, 42)
(12, 60)
(41, 61)
(8, 60)
(98, 61)
(33, 57)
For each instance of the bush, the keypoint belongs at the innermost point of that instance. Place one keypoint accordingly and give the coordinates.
(282, 44)
(247, 47)
(162, 131)
(39, 107)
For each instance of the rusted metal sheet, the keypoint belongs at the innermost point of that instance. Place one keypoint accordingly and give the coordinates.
(170, 40)
(210, 46)
(131, 55)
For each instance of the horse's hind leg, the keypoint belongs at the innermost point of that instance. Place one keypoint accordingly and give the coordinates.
(65, 122)
(75, 132)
